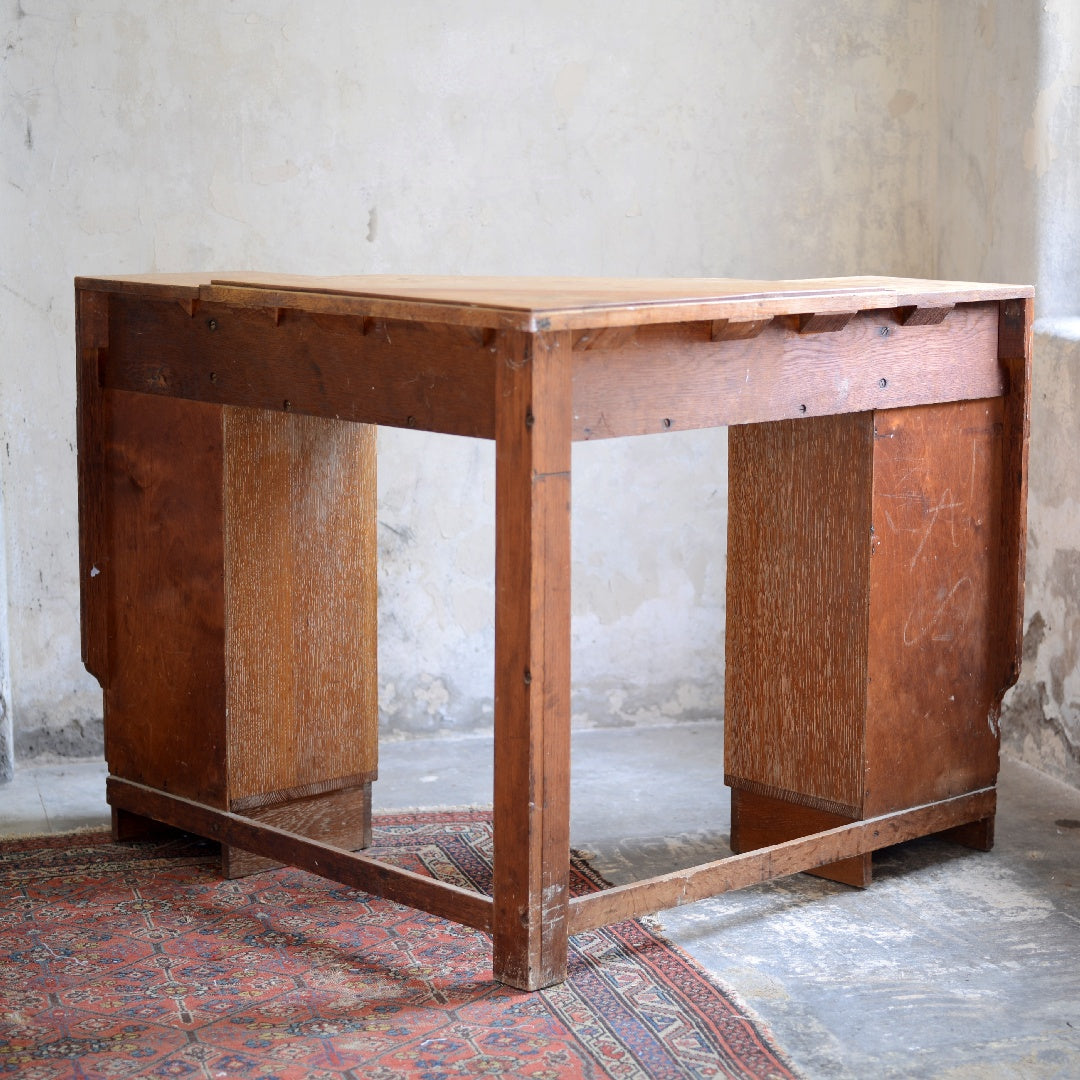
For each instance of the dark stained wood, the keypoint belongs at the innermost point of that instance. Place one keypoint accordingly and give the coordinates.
(1015, 352)
(779, 860)
(532, 659)
(261, 838)
(759, 821)
(165, 695)
(676, 378)
(410, 375)
(975, 834)
(91, 338)
(339, 818)
(931, 729)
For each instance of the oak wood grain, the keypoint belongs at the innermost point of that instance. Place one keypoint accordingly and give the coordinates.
(799, 497)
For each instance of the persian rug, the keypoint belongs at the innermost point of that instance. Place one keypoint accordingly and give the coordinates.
(138, 960)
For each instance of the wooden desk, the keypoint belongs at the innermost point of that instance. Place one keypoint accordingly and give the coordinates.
(875, 560)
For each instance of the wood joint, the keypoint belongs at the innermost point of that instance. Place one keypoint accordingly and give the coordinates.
(922, 316)
(606, 337)
(734, 330)
(823, 322)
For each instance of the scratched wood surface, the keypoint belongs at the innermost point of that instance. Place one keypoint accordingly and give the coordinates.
(300, 604)
(532, 661)
(933, 670)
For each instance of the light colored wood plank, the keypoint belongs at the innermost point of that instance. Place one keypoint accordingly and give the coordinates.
(552, 303)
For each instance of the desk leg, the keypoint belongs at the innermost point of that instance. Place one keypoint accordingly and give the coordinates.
(532, 660)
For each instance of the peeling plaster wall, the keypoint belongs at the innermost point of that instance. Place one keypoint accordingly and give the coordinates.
(1041, 718)
(1009, 205)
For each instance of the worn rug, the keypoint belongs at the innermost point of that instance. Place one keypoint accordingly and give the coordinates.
(138, 960)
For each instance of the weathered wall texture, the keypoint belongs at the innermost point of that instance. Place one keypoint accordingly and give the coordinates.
(608, 138)
(1009, 207)
(1041, 720)
(702, 137)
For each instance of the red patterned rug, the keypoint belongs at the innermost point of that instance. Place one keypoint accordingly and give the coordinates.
(137, 960)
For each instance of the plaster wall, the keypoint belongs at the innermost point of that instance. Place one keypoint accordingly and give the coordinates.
(1041, 717)
(686, 138)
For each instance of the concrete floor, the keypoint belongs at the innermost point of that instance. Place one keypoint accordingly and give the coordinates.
(953, 964)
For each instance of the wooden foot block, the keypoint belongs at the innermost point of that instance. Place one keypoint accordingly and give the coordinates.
(129, 827)
(758, 821)
(976, 834)
(342, 818)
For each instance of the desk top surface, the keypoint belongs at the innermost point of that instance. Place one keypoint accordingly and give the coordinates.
(556, 303)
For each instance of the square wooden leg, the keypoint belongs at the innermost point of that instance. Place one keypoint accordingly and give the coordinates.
(532, 661)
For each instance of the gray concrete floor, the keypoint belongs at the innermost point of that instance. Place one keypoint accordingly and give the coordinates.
(953, 964)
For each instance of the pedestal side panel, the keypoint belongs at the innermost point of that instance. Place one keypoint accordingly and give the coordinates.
(798, 554)
(300, 588)
(165, 695)
(935, 678)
